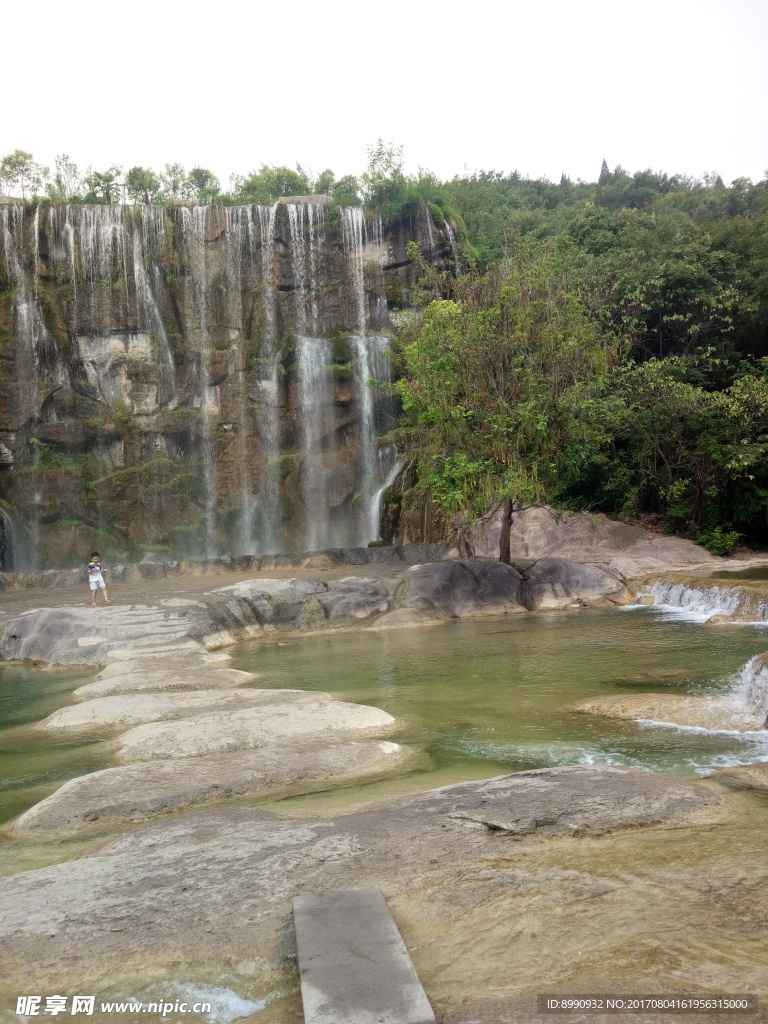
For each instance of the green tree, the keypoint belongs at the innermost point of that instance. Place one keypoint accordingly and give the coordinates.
(143, 185)
(325, 183)
(174, 181)
(270, 183)
(203, 186)
(499, 387)
(20, 173)
(692, 457)
(65, 183)
(103, 186)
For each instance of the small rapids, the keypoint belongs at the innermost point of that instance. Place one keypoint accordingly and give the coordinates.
(751, 689)
(698, 605)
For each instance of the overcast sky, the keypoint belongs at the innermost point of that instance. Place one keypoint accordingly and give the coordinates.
(547, 87)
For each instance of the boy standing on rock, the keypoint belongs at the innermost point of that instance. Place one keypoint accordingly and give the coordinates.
(95, 579)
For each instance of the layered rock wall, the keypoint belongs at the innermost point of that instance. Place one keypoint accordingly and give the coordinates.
(195, 378)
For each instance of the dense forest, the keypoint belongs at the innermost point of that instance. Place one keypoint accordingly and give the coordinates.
(605, 346)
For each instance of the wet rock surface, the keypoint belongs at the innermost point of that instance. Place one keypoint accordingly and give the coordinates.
(133, 709)
(250, 609)
(307, 717)
(231, 874)
(675, 709)
(744, 776)
(556, 583)
(137, 680)
(139, 791)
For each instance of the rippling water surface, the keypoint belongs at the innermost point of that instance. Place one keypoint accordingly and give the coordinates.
(490, 696)
(483, 697)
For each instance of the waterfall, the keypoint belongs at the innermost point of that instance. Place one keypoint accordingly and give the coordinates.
(316, 219)
(200, 344)
(14, 545)
(298, 264)
(241, 240)
(317, 438)
(432, 244)
(31, 337)
(751, 689)
(147, 311)
(458, 266)
(370, 357)
(267, 510)
(701, 604)
(206, 398)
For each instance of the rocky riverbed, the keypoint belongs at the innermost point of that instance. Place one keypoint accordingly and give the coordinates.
(558, 878)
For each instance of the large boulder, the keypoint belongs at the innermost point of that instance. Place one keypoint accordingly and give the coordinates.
(139, 791)
(222, 882)
(541, 532)
(355, 599)
(455, 589)
(300, 721)
(556, 583)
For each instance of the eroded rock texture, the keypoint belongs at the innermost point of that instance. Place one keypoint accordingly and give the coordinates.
(195, 377)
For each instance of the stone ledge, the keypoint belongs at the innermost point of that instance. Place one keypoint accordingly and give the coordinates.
(405, 554)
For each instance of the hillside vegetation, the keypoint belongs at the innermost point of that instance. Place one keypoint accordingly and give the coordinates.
(605, 347)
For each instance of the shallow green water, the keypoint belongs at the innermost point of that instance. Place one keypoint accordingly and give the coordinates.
(490, 696)
(756, 572)
(481, 696)
(33, 762)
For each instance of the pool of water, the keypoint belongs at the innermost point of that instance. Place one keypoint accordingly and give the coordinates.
(34, 762)
(755, 572)
(490, 696)
(480, 697)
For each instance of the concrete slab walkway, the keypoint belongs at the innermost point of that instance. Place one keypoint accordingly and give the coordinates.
(353, 964)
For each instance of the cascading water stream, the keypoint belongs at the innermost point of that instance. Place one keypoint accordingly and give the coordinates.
(369, 357)
(267, 512)
(457, 263)
(701, 604)
(242, 243)
(315, 402)
(194, 221)
(31, 336)
(181, 308)
(751, 689)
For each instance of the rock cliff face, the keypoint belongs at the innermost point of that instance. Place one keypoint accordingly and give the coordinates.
(195, 377)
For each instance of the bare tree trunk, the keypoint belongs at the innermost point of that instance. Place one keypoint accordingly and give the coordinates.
(505, 555)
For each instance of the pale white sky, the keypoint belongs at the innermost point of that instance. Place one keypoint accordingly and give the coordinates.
(677, 85)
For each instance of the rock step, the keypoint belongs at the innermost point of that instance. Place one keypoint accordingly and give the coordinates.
(353, 964)
(192, 657)
(168, 681)
(139, 791)
(135, 709)
(301, 721)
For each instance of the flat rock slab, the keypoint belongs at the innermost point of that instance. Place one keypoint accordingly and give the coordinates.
(675, 709)
(74, 635)
(149, 895)
(743, 776)
(137, 681)
(189, 655)
(139, 791)
(353, 964)
(251, 728)
(157, 707)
